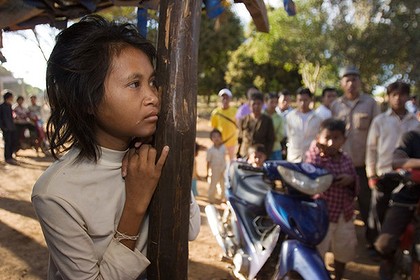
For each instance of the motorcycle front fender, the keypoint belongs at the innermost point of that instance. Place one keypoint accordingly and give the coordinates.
(305, 260)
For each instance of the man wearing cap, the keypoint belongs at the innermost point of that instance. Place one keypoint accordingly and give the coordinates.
(223, 119)
(357, 109)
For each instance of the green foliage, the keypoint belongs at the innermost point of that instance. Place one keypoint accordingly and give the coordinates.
(217, 39)
(379, 37)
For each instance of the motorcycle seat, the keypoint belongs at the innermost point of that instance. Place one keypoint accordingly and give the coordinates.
(248, 185)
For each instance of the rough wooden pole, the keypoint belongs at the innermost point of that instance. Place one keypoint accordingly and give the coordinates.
(179, 24)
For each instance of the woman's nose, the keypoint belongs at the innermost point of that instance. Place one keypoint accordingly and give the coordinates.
(152, 97)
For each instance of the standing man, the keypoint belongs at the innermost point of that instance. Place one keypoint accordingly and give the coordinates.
(357, 109)
(283, 108)
(384, 135)
(302, 126)
(223, 119)
(8, 127)
(255, 128)
(285, 100)
(245, 109)
(323, 111)
(271, 101)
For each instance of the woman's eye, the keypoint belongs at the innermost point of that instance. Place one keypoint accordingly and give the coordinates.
(134, 84)
(153, 83)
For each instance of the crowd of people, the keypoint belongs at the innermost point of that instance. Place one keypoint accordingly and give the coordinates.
(348, 135)
(18, 122)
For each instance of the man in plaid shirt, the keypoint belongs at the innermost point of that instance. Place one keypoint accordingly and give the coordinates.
(326, 152)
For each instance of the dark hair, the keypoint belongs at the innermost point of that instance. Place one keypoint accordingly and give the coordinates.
(76, 72)
(250, 91)
(20, 97)
(398, 86)
(285, 92)
(260, 148)
(7, 94)
(257, 96)
(324, 91)
(215, 131)
(333, 124)
(271, 95)
(303, 90)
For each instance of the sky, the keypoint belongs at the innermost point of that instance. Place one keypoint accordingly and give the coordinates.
(25, 60)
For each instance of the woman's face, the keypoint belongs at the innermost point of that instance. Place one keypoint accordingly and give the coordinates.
(131, 102)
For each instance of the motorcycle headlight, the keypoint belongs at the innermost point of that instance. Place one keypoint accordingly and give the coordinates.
(303, 183)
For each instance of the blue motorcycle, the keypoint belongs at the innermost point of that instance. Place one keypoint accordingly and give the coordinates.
(269, 206)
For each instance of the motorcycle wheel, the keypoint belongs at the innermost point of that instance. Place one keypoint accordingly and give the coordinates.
(403, 265)
(293, 275)
(220, 230)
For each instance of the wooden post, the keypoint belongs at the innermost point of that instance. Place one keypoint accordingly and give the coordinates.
(179, 25)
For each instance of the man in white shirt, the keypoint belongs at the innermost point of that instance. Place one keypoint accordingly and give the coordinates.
(302, 126)
(384, 134)
(323, 111)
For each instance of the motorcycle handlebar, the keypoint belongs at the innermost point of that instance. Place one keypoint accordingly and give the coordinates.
(251, 168)
(405, 176)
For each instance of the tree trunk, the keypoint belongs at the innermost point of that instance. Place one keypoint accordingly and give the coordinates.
(179, 24)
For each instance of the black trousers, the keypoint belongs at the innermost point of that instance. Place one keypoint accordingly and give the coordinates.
(10, 143)
(396, 220)
(364, 199)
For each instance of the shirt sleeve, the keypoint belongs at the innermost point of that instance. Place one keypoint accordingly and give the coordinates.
(195, 219)
(71, 247)
(355, 187)
(270, 136)
(406, 144)
(372, 149)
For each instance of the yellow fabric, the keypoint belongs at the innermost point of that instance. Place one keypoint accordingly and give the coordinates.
(227, 128)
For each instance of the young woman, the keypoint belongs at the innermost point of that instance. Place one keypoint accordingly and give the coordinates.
(102, 92)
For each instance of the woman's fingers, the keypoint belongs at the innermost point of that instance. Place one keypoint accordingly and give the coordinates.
(162, 158)
(147, 157)
(125, 160)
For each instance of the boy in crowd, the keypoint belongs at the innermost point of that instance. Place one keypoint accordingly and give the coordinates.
(257, 155)
(323, 111)
(302, 126)
(271, 101)
(326, 151)
(216, 165)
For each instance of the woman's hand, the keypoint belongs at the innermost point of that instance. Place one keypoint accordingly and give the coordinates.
(142, 173)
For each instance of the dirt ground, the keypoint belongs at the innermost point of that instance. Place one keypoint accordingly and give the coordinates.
(23, 253)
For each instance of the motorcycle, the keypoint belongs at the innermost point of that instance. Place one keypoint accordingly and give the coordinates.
(31, 135)
(258, 216)
(404, 265)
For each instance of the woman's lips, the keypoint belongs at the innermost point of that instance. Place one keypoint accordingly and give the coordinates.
(152, 118)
